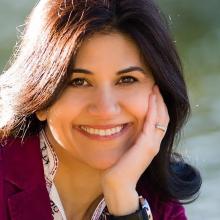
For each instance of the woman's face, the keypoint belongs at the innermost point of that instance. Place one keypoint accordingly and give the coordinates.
(102, 110)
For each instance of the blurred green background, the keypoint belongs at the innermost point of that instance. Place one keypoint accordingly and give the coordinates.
(195, 25)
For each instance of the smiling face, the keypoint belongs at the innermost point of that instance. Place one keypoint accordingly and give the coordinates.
(102, 110)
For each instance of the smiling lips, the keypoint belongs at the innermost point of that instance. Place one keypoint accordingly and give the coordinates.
(102, 132)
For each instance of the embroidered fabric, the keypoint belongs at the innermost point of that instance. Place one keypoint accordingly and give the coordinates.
(50, 164)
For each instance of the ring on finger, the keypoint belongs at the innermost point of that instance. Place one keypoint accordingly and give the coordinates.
(161, 127)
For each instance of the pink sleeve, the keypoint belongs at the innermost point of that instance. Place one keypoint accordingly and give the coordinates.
(167, 210)
(161, 210)
(174, 211)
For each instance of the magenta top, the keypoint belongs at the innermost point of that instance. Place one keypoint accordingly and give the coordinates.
(23, 192)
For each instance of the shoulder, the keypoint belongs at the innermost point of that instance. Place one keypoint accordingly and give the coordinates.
(172, 210)
(162, 209)
(22, 181)
(11, 145)
(16, 153)
(19, 159)
(166, 210)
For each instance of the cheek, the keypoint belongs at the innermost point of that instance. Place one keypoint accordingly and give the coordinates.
(137, 105)
(62, 113)
(68, 106)
(137, 100)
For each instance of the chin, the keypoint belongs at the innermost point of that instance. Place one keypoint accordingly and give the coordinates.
(103, 164)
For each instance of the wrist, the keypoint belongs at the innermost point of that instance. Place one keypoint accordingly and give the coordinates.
(121, 202)
(143, 213)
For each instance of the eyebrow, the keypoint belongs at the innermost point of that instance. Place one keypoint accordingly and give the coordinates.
(120, 72)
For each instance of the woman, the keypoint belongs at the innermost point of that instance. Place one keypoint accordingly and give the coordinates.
(92, 105)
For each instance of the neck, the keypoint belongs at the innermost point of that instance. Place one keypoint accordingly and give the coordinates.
(78, 186)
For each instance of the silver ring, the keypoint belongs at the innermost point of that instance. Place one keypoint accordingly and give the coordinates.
(161, 127)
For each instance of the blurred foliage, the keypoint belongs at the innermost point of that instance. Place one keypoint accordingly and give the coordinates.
(196, 27)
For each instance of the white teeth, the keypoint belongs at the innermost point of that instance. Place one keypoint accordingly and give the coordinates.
(102, 132)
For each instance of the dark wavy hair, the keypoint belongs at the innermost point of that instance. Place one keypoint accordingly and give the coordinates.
(40, 69)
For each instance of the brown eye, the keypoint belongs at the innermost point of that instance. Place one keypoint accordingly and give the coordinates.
(78, 82)
(127, 80)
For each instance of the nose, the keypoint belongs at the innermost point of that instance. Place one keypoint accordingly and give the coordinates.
(104, 104)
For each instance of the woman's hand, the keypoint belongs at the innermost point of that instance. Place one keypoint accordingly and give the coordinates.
(119, 181)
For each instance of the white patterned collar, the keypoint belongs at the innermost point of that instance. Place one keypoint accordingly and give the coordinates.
(50, 164)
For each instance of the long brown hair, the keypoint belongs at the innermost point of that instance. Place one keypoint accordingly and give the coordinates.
(53, 34)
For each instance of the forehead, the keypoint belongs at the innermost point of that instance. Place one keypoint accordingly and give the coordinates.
(109, 50)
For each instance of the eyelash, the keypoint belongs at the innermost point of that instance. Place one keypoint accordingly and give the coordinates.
(83, 79)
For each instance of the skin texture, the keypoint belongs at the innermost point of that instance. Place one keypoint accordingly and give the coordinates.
(105, 98)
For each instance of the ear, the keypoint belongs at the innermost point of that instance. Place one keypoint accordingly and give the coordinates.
(42, 115)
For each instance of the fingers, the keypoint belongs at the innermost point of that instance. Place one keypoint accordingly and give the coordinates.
(151, 116)
(162, 112)
(150, 139)
(157, 118)
(157, 113)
